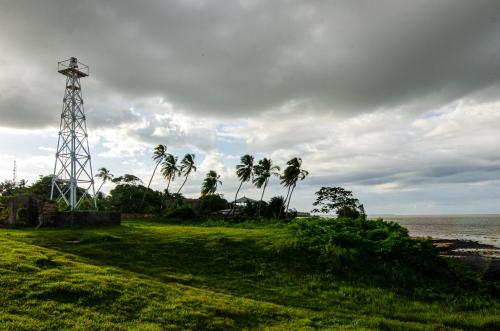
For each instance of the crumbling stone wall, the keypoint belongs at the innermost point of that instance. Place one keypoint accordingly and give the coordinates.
(30, 210)
(47, 213)
(23, 210)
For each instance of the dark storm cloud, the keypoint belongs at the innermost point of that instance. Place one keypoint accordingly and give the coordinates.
(20, 111)
(412, 175)
(114, 117)
(392, 96)
(239, 58)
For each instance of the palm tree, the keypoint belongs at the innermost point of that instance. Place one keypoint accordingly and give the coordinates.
(245, 172)
(263, 171)
(291, 175)
(105, 175)
(159, 154)
(187, 165)
(169, 169)
(210, 183)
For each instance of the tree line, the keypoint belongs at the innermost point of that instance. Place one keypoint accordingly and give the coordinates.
(258, 173)
(130, 195)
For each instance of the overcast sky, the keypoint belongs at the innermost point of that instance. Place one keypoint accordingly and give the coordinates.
(397, 100)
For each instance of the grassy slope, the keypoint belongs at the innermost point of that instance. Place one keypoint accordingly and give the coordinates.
(152, 276)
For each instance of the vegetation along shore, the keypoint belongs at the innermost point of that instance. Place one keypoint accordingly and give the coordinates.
(177, 274)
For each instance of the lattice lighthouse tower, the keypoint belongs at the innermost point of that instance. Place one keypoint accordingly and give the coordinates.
(73, 180)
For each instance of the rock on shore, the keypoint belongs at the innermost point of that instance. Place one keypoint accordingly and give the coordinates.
(481, 258)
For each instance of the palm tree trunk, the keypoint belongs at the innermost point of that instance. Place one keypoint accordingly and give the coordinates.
(235, 198)
(149, 184)
(167, 194)
(262, 197)
(168, 184)
(284, 202)
(183, 184)
(290, 197)
(99, 189)
(154, 171)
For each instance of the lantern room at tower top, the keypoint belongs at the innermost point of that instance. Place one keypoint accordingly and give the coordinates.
(71, 67)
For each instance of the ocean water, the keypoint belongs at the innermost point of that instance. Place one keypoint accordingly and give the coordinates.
(484, 229)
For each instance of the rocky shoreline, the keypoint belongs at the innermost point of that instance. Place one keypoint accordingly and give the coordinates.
(481, 258)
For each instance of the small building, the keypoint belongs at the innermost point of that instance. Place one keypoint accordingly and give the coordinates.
(236, 207)
(243, 202)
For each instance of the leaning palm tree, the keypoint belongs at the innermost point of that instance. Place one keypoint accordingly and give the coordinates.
(187, 165)
(169, 169)
(292, 174)
(263, 171)
(210, 183)
(105, 175)
(245, 172)
(159, 154)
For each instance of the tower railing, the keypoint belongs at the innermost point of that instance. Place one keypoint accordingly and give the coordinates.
(67, 67)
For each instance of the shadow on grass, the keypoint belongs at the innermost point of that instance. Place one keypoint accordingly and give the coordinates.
(234, 263)
(257, 264)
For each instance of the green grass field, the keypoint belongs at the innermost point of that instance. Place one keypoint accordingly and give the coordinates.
(146, 275)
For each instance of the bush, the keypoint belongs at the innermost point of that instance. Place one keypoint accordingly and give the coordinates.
(4, 214)
(273, 210)
(212, 203)
(252, 209)
(22, 214)
(181, 212)
(348, 212)
(276, 207)
(173, 200)
(370, 249)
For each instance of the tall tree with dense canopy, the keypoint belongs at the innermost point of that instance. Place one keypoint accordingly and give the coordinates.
(210, 183)
(338, 200)
(292, 174)
(127, 179)
(263, 171)
(187, 165)
(170, 169)
(104, 175)
(159, 154)
(245, 172)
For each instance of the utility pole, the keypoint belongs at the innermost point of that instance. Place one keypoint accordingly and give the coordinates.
(14, 173)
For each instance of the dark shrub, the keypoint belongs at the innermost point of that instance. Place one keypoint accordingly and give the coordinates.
(212, 203)
(22, 214)
(348, 212)
(276, 207)
(4, 214)
(173, 200)
(252, 209)
(181, 212)
(375, 249)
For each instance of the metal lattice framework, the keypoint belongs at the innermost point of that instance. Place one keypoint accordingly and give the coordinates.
(73, 180)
